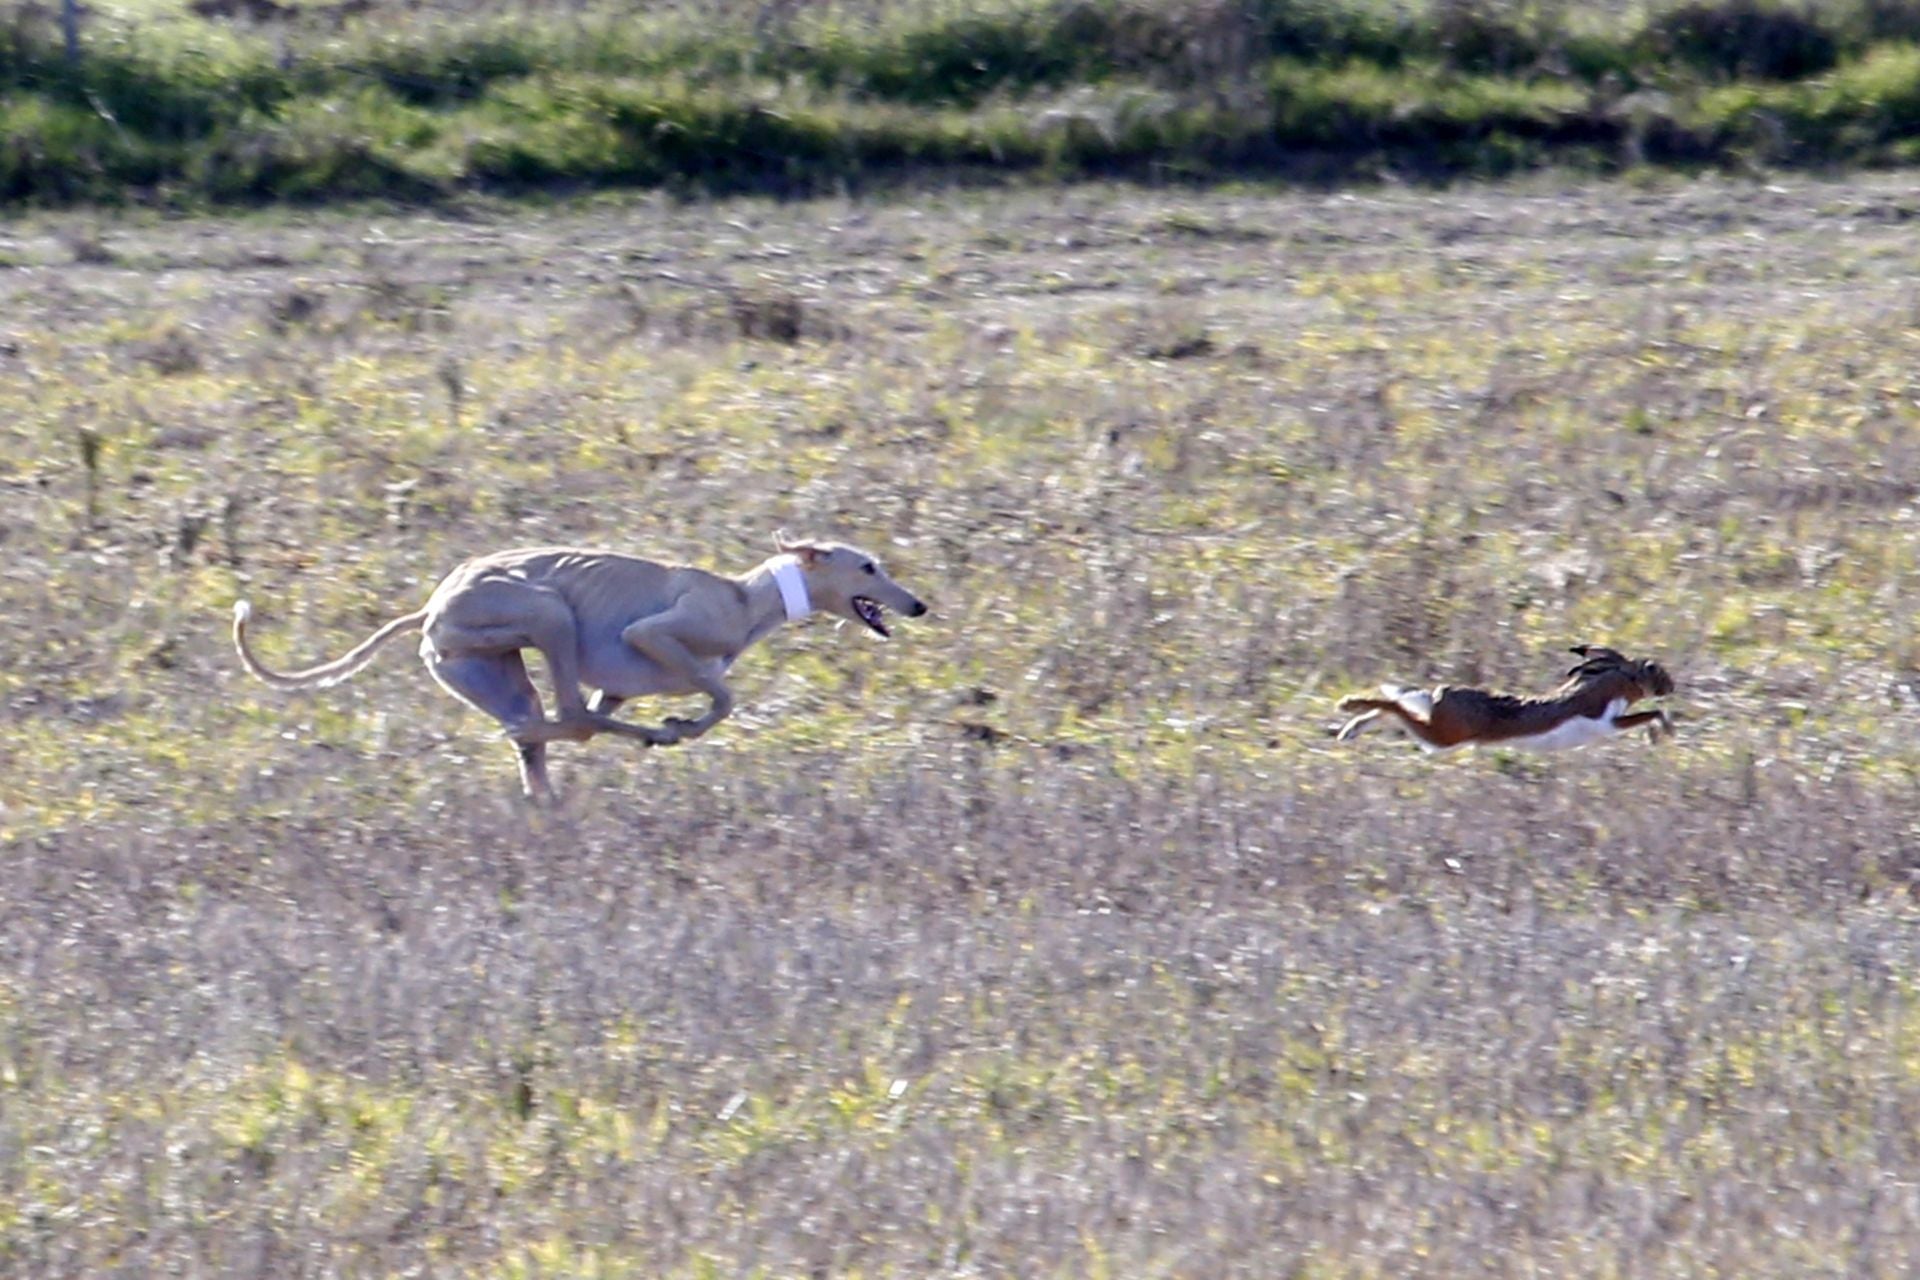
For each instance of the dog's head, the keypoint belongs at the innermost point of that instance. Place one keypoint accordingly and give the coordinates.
(849, 583)
(1648, 678)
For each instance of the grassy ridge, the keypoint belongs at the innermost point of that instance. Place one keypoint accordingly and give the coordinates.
(319, 103)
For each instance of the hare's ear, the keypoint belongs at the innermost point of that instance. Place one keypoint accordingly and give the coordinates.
(1597, 658)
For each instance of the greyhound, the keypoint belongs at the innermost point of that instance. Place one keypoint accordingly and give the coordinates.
(623, 626)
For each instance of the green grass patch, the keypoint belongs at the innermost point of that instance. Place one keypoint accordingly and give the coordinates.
(307, 105)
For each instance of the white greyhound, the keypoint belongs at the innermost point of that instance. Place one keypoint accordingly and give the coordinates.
(620, 625)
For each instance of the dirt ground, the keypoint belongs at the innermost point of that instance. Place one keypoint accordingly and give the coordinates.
(1055, 937)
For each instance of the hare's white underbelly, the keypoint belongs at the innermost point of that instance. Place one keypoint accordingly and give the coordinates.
(1577, 731)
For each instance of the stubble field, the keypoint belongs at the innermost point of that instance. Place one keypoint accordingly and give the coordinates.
(1054, 938)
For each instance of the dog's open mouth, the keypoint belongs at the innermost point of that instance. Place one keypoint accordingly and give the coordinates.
(869, 610)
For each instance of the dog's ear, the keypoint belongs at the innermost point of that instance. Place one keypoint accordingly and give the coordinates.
(786, 546)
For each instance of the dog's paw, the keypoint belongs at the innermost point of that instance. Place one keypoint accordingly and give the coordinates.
(664, 735)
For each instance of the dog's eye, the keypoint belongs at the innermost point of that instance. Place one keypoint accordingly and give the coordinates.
(870, 567)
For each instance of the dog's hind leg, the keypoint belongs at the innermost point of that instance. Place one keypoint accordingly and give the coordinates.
(553, 631)
(549, 626)
(498, 616)
(498, 684)
(533, 771)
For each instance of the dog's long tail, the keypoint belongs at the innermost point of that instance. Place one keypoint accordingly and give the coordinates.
(327, 672)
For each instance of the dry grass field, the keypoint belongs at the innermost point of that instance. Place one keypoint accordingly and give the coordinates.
(1054, 938)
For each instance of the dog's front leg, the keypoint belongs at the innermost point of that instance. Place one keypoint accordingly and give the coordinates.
(655, 638)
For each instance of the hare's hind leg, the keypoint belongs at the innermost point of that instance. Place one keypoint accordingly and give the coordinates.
(1356, 726)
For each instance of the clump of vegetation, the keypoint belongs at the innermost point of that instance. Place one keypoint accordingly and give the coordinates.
(315, 103)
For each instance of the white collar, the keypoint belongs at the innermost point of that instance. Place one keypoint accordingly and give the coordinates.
(793, 586)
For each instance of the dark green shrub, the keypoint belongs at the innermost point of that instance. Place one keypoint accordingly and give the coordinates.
(265, 163)
(1333, 31)
(159, 90)
(52, 151)
(452, 67)
(956, 59)
(1861, 108)
(1878, 20)
(1360, 106)
(1744, 39)
(1475, 35)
